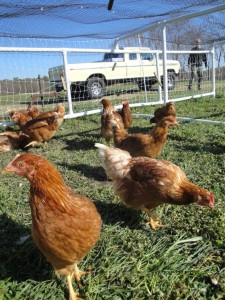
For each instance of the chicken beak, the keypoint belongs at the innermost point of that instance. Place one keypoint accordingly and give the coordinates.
(6, 171)
(209, 203)
(9, 168)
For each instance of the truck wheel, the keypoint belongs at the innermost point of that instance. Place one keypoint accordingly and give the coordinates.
(77, 92)
(148, 84)
(171, 79)
(96, 87)
(58, 88)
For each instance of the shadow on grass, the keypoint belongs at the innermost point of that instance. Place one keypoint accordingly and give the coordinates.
(113, 213)
(137, 129)
(20, 261)
(193, 145)
(77, 144)
(94, 173)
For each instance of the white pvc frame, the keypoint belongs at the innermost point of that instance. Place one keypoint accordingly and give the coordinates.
(161, 100)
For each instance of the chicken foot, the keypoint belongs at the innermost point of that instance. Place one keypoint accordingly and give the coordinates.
(31, 144)
(78, 273)
(154, 222)
(35, 143)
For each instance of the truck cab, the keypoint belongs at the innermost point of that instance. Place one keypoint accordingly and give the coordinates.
(129, 64)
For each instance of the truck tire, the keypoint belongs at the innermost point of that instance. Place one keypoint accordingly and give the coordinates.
(148, 85)
(58, 88)
(96, 87)
(77, 92)
(171, 79)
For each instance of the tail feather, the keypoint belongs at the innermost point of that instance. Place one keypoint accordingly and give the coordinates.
(114, 161)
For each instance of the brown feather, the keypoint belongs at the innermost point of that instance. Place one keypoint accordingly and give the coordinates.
(65, 225)
(144, 183)
(140, 144)
(167, 110)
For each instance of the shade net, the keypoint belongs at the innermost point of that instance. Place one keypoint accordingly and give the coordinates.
(104, 20)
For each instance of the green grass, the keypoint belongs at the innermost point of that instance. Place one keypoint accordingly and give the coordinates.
(183, 260)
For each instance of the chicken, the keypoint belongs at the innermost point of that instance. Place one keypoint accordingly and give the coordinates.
(109, 113)
(168, 110)
(10, 140)
(126, 114)
(31, 112)
(107, 105)
(40, 129)
(145, 183)
(20, 119)
(65, 225)
(61, 112)
(140, 144)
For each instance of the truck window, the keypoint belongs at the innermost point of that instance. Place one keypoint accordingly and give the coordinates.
(132, 56)
(147, 56)
(113, 57)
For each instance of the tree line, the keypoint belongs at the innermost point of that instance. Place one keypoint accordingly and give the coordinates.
(17, 85)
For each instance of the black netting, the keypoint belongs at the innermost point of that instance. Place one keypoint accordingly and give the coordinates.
(73, 20)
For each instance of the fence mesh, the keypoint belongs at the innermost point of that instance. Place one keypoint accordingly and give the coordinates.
(92, 25)
(92, 19)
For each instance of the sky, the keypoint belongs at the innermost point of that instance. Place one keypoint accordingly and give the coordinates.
(31, 64)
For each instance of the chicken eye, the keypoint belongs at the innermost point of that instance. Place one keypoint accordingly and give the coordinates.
(20, 164)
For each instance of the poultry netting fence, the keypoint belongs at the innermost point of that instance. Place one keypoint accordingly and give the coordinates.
(48, 67)
(47, 76)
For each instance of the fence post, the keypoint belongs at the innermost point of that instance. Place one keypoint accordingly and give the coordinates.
(165, 82)
(158, 75)
(213, 72)
(68, 83)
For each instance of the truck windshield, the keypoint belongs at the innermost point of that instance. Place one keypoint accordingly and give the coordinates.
(113, 57)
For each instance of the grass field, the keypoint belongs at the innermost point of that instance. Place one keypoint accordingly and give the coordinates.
(183, 260)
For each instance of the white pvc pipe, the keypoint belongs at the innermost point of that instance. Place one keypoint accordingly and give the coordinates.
(68, 83)
(158, 75)
(213, 73)
(183, 119)
(76, 50)
(165, 82)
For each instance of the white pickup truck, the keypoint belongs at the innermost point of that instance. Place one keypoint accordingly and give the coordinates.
(132, 64)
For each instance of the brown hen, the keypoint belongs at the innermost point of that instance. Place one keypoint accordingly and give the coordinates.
(145, 183)
(65, 225)
(167, 110)
(30, 113)
(126, 114)
(40, 129)
(140, 144)
(10, 140)
(109, 113)
(60, 109)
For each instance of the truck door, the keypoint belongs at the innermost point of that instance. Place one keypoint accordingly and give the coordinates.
(117, 69)
(133, 66)
(148, 64)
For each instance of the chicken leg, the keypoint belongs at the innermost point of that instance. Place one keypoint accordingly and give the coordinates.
(154, 222)
(31, 144)
(72, 294)
(35, 143)
(78, 273)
